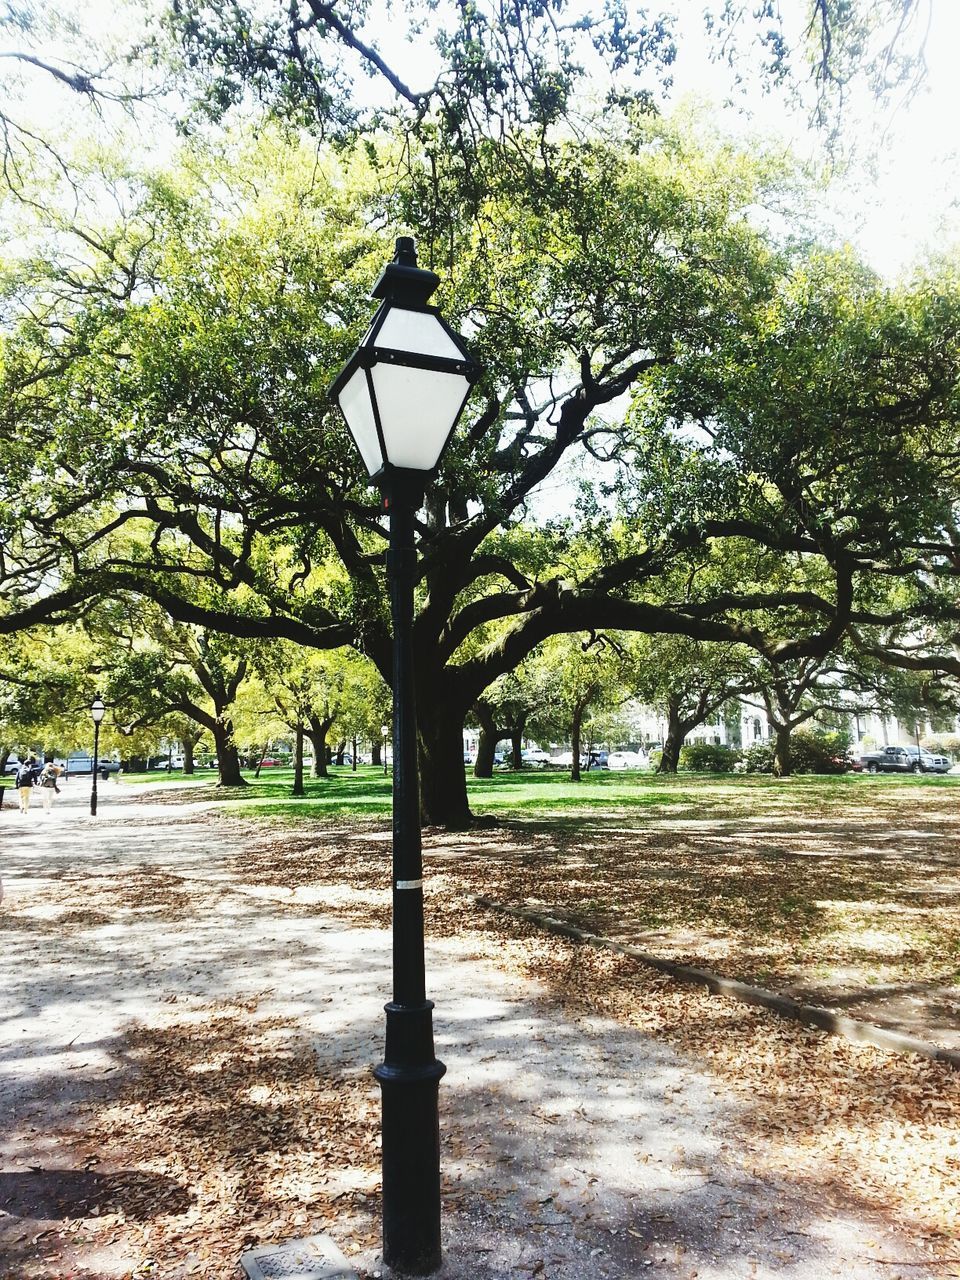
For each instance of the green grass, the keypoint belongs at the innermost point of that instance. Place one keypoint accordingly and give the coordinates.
(367, 792)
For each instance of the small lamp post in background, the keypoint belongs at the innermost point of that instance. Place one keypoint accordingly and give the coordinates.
(401, 393)
(385, 730)
(97, 711)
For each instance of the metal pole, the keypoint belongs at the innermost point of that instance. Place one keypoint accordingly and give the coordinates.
(96, 752)
(410, 1074)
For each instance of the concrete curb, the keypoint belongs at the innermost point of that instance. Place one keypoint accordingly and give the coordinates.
(813, 1015)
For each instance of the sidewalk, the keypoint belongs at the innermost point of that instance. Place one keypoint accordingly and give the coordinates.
(184, 1070)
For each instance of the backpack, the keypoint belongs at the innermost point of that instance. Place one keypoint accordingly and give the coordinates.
(25, 775)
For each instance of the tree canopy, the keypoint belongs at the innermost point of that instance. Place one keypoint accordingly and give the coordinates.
(764, 432)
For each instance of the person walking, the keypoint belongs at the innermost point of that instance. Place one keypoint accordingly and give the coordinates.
(24, 781)
(48, 784)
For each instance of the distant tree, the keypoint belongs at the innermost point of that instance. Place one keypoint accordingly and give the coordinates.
(792, 693)
(47, 682)
(690, 682)
(580, 676)
(175, 669)
(506, 709)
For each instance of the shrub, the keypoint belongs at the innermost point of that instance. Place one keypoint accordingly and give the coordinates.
(814, 751)
(759, 758)
(706, 757)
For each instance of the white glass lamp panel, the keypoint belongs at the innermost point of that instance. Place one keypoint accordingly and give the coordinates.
(418, 408)
(404, 330)
(358, 411)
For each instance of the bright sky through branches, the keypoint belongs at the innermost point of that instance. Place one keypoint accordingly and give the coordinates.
(899, 198)
(897, 202)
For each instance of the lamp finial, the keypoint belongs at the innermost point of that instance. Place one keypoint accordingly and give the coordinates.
(406, 255)
(402, 281)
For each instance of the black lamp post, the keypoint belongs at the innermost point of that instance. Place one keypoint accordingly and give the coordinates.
(97, 710)
(385, 729)
(401, 393)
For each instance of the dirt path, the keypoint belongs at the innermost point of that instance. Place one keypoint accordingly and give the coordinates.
(185, 1047)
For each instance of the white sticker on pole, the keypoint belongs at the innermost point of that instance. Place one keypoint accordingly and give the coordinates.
(409, 884)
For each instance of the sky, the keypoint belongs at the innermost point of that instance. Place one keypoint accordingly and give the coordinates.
(900, 197)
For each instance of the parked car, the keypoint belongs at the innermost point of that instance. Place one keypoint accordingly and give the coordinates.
(593, 760)
(13, 763)
(931, 763)
(888, 760)
(899, 760)
(82, 762)
(535, 757)
(627, 760)
(163, 762)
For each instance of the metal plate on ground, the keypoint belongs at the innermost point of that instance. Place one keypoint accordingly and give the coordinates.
(315, 1258)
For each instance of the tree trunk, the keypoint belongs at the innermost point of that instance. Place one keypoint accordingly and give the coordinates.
(375, 757)
(190, 745)
(575, 729)
(516, 748)
(341, 748)
(487, 743)
(443, 779)
(670, 757)
(486, 751)
(354, 764)
(317, 731)
(782, 754)
(228, 758)
(677, 730)
(298, 787)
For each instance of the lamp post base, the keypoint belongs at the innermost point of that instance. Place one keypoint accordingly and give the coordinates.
(409, 1079)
